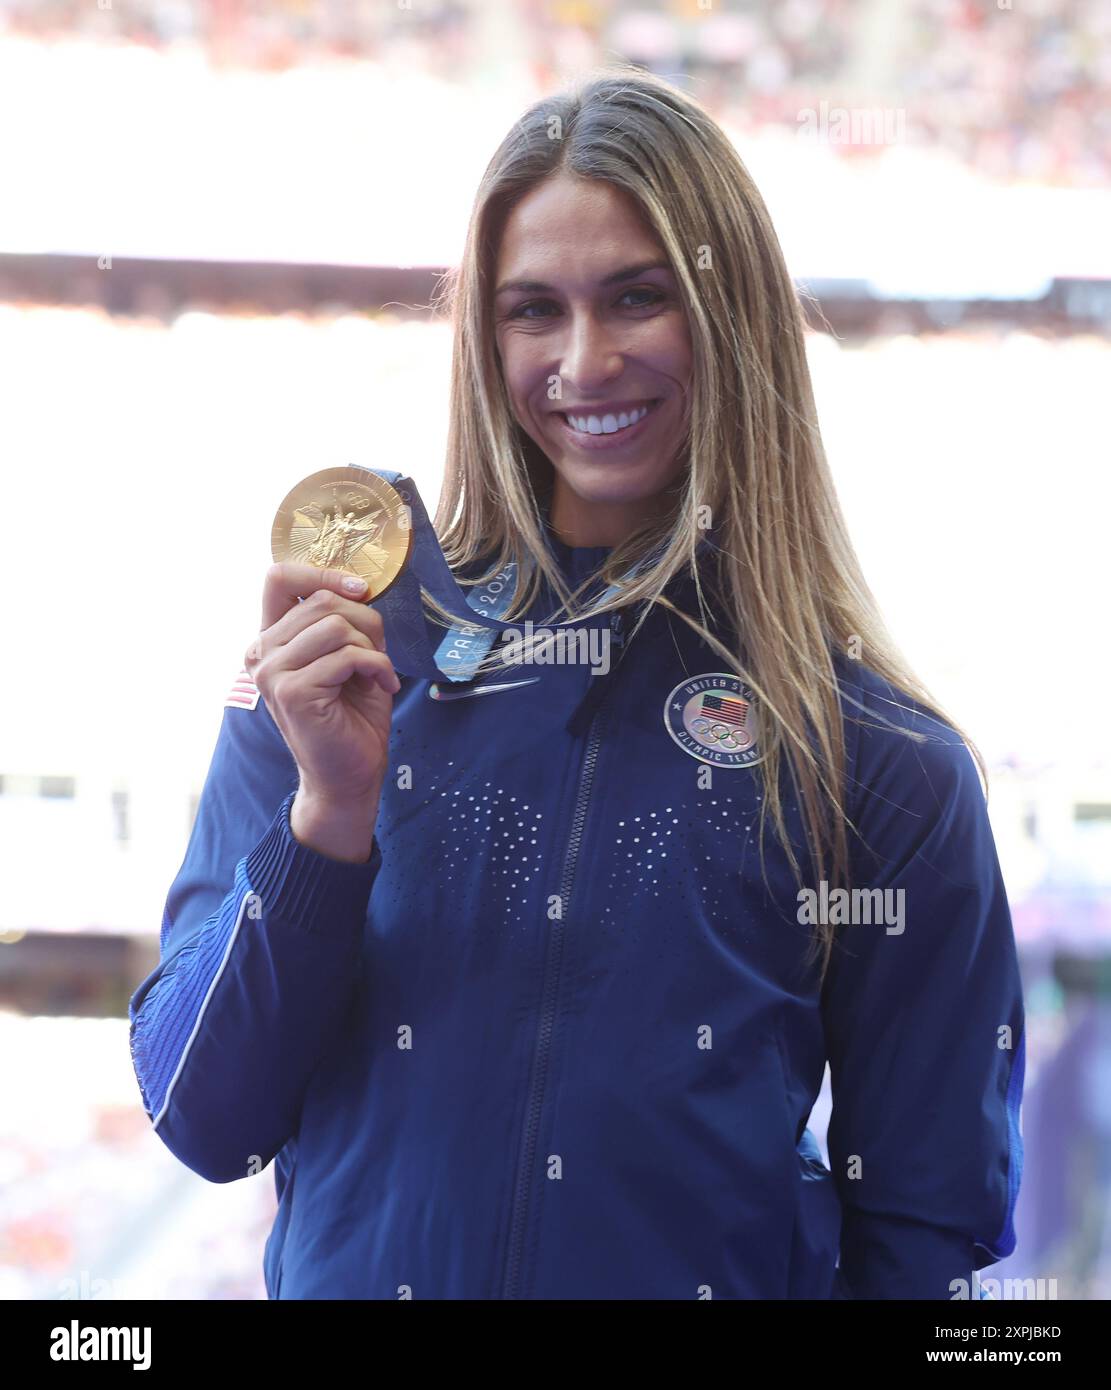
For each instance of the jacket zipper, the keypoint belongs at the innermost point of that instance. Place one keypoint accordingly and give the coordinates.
(552, 962)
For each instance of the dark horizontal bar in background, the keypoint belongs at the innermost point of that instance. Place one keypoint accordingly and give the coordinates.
(163, 288)
(77, 974)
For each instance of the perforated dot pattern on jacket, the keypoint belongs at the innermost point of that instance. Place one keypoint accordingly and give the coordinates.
(681, 852)
(480, 823)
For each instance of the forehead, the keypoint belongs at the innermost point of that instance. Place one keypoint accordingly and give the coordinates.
(573, 228)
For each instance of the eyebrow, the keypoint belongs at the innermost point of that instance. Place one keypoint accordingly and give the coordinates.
(617, 277)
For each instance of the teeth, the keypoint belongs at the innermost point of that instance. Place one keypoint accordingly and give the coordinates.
(607, 424)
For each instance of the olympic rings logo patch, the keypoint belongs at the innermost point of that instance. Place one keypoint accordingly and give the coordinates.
(712, 718)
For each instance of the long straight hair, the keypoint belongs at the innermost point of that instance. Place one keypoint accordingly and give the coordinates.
(787, 589)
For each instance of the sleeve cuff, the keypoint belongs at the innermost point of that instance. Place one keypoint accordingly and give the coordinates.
(303, 887)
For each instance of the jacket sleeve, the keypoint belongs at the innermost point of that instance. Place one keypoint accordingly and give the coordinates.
(924, 1022)
(259, 953)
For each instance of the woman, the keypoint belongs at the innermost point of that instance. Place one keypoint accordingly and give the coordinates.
(530, 995)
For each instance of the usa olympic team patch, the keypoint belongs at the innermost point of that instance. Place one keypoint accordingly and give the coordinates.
(712, 718)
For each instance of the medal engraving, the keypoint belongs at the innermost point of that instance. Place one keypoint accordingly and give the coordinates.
(347, 519)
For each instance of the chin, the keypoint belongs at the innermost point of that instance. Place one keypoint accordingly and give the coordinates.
(611, 482)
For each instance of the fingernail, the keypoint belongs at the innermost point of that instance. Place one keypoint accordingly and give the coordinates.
(353, 584)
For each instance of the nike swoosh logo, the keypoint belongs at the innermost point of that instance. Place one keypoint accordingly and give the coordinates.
(445, 692)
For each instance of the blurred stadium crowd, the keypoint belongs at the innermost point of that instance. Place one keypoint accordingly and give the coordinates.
(1017, 91)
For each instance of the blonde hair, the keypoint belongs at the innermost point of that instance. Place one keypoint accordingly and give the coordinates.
(787, 576)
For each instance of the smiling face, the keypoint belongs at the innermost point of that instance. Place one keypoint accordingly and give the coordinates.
(585, 295)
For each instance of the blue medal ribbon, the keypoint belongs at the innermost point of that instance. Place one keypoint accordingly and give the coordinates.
(477, 614)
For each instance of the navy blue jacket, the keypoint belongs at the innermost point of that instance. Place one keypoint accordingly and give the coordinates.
(557, 1038)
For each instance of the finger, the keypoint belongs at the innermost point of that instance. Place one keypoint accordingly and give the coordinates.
(334, 669)
(288, 580)
(329, 634)
(319, 605)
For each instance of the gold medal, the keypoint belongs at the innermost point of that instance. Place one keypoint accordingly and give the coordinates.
(346, 519)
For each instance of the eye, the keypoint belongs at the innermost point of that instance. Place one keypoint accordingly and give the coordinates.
(654, 297)
(521, 311)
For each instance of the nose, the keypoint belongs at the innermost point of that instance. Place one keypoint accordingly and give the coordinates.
(591, 355)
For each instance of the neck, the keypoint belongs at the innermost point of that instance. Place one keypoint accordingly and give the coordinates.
(580, 523)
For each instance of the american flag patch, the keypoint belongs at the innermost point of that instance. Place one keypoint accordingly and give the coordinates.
(730, 709)
(243, 693)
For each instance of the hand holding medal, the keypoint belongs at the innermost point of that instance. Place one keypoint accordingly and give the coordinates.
(340, 539)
